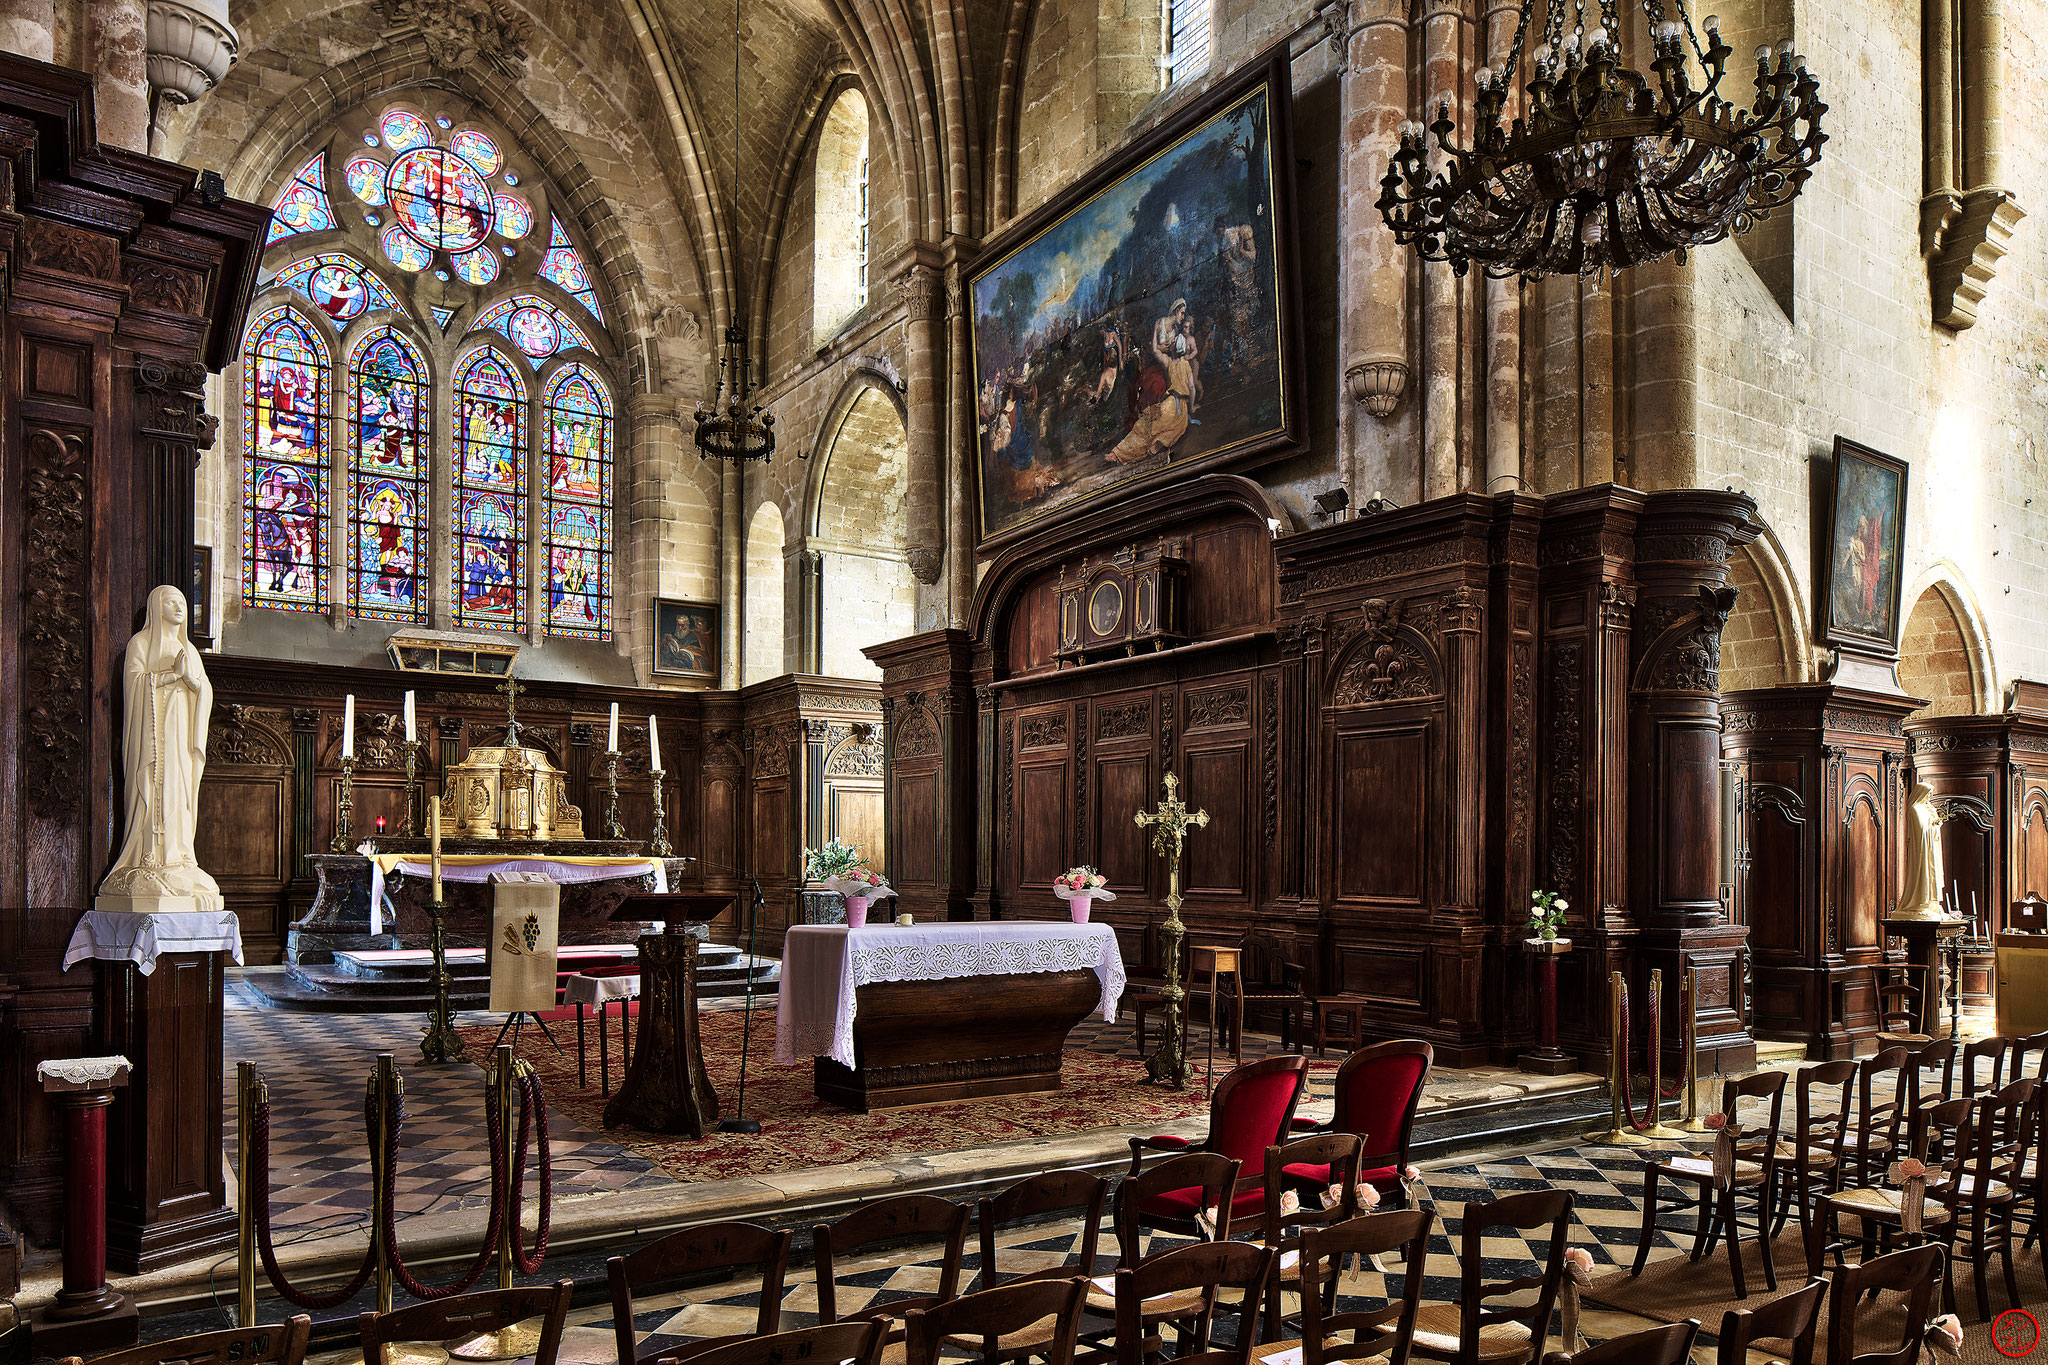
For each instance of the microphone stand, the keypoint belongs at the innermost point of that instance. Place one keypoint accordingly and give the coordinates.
(740, 1123)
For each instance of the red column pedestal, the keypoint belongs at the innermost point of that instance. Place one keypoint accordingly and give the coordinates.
(1547, 1059)
(87, 1316)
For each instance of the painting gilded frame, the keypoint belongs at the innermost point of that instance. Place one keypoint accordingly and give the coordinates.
(1864, 564)
(669, 613)
(1119, 263)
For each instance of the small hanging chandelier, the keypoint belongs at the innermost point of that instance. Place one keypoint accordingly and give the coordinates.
(1604, 167)
(735, 425)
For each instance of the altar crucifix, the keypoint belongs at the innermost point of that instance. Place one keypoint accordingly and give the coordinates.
(1169, 825)
(511, 688)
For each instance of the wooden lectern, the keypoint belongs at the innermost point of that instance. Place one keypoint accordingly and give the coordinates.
(667, 1089)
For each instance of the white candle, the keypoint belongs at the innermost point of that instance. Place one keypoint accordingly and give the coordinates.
(434, 830)
(613, 746)
(653, 745)
(348, 726)
(409, 736)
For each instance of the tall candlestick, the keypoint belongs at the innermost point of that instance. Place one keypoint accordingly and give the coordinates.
(653, 745)
(348, 726)
(434, 830)
(614, 744)
(408, 717)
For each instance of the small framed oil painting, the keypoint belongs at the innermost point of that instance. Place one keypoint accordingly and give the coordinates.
(1866, 548)
(685, 639)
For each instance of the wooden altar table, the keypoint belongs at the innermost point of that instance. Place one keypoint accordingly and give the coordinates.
(897, 1015)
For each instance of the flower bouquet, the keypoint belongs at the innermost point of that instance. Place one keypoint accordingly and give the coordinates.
(1546, 914)
(1080, 888)
(840, 867)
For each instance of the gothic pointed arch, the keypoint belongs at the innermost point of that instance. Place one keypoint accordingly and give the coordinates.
(1944, 650)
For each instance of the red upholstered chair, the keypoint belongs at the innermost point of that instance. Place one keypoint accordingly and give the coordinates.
(1249, 1112)
(1189, 1182)
(1378, 1088)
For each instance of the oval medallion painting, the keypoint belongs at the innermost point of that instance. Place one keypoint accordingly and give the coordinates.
(439, 199)
(1105, 607)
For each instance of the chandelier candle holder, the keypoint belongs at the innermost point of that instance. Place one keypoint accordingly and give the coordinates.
(1169, 824)
(612, 828)
(1603, 166)
(344, 806)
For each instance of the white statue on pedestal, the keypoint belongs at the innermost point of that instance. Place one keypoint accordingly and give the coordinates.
(1920, 869)
(167, 703)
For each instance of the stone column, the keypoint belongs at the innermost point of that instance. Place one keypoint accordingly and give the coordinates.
(637, 553)
(1983, 26)
(1663, 440)
(1442, 79)
(732, 570)
(1503, 365)
(29, 27)
(117, 53)
(963, 524)
(1373, 285)
(923, 508)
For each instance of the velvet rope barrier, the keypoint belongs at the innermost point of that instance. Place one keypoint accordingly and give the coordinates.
(532, 1106)
(259, 1164)
(395, 1123)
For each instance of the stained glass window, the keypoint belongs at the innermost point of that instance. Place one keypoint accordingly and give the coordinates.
(402, 251)
(365, 177)
(303, 207)
(337, 285)
(577, 540)
(564, 267)
(441, 316)
(403, 131)
(535, 326)
(515, 216)
(478, 150)
(285, 375)
(490, 494)
(389, 419)
(477, 267)
(439, 198)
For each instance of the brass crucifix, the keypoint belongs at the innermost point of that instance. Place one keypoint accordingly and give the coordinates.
(1169, 825)
(511, 688)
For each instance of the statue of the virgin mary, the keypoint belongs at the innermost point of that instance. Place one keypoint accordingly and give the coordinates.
(167, 703)
(1920, 867)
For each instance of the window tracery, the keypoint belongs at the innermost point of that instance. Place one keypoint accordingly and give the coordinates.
(285, 378)
(390, 422)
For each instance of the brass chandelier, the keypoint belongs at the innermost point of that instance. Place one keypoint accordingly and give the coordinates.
(1604, 167)
(735, 425)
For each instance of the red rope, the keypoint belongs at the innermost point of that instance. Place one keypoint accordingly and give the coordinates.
(258, 1157)
(394, 1124)
(531, 1104)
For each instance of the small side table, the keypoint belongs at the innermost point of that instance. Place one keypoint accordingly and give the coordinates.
(1216, 959)
(588, 989)
(1335, 1019)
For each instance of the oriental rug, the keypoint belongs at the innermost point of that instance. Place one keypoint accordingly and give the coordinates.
(799, 1131)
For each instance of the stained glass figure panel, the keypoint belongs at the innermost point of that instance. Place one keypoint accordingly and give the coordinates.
(402, 251)
(439, 198)
(515, 215)
(490, 494)
(365, 177)
(285, 372)
(303, 206)
(478, 150)
(404, 131)
(563, 266)
(577, 548)
(389, 417)
(477, 267)
(535, 326)
(337, 285)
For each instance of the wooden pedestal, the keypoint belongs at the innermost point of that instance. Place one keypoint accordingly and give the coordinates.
(921, 1042)
(667, 1089)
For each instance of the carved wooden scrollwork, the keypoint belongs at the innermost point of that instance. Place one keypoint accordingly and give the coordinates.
(55, 622)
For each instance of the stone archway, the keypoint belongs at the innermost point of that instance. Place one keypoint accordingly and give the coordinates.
(857, 529)
(1935, 659)
(762, 604)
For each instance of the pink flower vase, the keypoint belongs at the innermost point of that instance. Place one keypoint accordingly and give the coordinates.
(1078, 906)
(857, 911)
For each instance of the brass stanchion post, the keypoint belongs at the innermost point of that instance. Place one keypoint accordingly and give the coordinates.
(1657, 1128)
(384, 1085)
(1693, 1122)
(1619, 1133)
(507, 1343)
(246, 1085)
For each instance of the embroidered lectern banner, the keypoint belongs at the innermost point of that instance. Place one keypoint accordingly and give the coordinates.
(526, 924)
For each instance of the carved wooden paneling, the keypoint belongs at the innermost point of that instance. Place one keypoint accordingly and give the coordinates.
(1862, 898)
(1381, 820)
(1042, 834)
(1219, 781)
(914, 852)
(1123, 784)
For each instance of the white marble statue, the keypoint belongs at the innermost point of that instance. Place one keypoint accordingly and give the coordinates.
(1920, 869)
(167, 702)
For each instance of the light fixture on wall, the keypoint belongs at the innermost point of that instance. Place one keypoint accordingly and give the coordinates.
(1603, 167)
(735, 425)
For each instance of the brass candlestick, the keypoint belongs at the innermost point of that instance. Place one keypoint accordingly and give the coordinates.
(1169, 825)
(659, 845)
(344, 806)
(441, 1043)
(612, 828)
(412, 784)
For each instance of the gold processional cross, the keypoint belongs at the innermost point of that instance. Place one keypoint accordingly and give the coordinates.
(1169, 825)
(511, 688)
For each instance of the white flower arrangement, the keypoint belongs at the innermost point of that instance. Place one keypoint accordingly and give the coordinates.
(1082, 881)
(1546, 913)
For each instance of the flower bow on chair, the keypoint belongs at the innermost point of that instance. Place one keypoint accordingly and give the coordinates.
(1578, 1277)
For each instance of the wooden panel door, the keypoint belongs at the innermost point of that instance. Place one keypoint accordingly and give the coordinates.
(1379, 835)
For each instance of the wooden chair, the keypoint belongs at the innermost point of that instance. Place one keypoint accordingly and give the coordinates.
(1794, 1317)
(1813, 1150)
(828, 1343)
(1670, 1344)
(1385, 1331)
(270, 1343)
(906, 1216)
(1026, 1318)
(1200, 1273)
(1931, 1067)
(1378, 1089)
(1982, 1065)
(1881, 1208)
(1878, 1131)
(1467, 1332)
(1983, 1192)
(2029, 1057)
(1717, 1182)
(697, 1251)
(1029, 1201)
(1912, 1272)
(1190, 1183)
(1248, 1113)
(1282, 1228)
(1900, 988)
(1270, 981)
(464, 1315)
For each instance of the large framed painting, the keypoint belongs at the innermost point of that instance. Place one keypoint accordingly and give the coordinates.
(685, 639)
(1144, 326)
(1865, 548)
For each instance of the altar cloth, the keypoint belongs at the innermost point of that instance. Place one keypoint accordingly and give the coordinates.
(824, 964)
(124, 936)
(478, 867)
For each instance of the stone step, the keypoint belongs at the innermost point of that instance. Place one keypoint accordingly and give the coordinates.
(315, 988)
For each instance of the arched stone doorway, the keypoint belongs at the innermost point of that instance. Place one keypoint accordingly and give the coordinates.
(763, 604)
(864, 592)
(1935, 659)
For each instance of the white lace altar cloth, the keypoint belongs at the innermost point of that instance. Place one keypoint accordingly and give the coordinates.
(123, 936)
(823, 965)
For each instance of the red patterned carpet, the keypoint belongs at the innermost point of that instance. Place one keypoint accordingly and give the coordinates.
(799, 1131)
